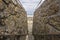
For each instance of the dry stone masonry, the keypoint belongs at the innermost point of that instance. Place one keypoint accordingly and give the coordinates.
(46, 21)
(13, 21)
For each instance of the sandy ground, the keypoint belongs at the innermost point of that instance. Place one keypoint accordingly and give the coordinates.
(30, 23)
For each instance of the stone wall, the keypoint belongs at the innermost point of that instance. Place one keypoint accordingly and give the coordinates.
(46, 21)
(13, 19)
(47, 18)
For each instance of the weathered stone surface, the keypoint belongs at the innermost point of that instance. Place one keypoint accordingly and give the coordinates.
(13, 18)
(47, 37)
(47, 18)
(12, 37)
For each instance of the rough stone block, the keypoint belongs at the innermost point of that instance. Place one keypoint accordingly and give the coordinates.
(47, 18)
(13, 18)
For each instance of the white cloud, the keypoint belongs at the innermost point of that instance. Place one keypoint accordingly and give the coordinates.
(30, 5)
(29, 0)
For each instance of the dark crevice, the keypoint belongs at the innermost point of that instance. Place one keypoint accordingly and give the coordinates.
(1, 10)
(5, 2)
(54, 26)
(2, 22)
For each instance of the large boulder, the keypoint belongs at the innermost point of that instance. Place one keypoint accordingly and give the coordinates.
(13, 18)
(46, 18)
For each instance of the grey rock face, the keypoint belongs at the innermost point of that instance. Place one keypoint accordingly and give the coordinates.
(47, 37)
(13, 18)
(12, 37)
(47, 18)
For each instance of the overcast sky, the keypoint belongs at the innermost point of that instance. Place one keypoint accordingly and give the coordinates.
(30, 5)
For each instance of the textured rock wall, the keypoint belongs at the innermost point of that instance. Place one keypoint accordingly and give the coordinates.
(13, 18)
(47, 37)
(47, 18)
